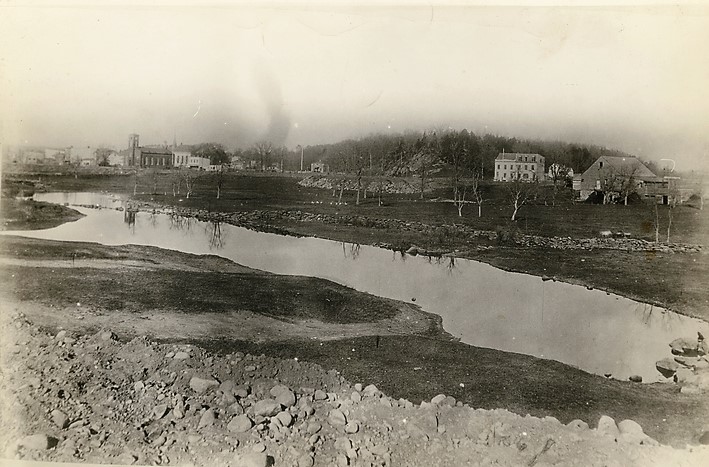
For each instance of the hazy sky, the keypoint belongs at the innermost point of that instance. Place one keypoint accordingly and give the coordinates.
(632, 78)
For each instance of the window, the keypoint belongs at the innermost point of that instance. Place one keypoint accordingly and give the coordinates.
(525, 175)
(505, 166)
(519, 166)
(600, 165)
(498, 166)
(525, 167)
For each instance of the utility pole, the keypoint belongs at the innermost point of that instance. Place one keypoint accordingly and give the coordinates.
(301, 156)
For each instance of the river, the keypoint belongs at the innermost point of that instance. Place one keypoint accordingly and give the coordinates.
(482, 305)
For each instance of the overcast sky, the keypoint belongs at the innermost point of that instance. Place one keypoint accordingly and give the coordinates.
(632, 78)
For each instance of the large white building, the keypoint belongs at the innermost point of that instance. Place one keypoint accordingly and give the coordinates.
(516, 165)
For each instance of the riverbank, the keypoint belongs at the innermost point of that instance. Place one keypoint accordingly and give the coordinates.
(137, 291)
(27, 214)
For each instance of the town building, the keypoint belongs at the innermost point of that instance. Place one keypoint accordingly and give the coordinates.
(155, 157)
(519, 166)
(181, 155)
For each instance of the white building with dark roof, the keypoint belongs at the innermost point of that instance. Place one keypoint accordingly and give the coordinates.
(511, 166)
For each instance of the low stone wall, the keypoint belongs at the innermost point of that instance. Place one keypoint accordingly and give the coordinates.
(262, 220)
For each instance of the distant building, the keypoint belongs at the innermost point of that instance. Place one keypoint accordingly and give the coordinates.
(197, 162)
(319, 167)
(609, 176)
(181, 155)
(116, 159)
(516, 165)
(155, 157)
(237, 163)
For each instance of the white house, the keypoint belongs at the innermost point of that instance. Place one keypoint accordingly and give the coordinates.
(516, 165)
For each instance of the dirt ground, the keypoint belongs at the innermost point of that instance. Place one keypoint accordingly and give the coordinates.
(74, 397)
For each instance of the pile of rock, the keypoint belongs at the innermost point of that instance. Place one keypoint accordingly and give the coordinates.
(389, 186)
(71, 397)
(689, 367)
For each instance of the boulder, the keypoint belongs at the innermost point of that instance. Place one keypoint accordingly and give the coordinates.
(60, 419)
(286, 398)
(207, 419)
(202, 384)
(240, 424)
(267, 408)
(667, 367)
(337, 418)
(704, 439)
(578, 424)
(38, 442)
(253, 459)
(685, 346)
(607, 427)
(438, 399)
(284, 418)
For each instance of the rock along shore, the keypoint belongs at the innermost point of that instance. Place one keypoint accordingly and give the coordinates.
(262, 220)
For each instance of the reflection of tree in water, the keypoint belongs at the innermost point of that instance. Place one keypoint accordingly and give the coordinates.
(353, 250)
(447, 261)
(153, 219)
(215, 235)
(178, 222)
(665, 319)
(129, 218)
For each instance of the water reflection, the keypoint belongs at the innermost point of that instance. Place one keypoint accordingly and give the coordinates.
(179, 222)
(215, 235)
(129, 218)
(350, 250)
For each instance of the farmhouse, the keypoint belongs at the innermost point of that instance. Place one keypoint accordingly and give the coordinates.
(617, 176)
(519, 166)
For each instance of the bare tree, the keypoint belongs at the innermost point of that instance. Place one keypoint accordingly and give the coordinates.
(656, 222)
(190, 178)
(459, 201)
(520, 193)
(359, 184)
(219, 176)
(476, 188)
(627, 183)
(176, 183)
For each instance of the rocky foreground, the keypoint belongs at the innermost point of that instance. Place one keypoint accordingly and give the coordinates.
(93, 398)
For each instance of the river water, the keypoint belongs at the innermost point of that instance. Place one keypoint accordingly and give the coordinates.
(482, 305)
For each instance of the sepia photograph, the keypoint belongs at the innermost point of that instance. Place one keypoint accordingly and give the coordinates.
(366, 233)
